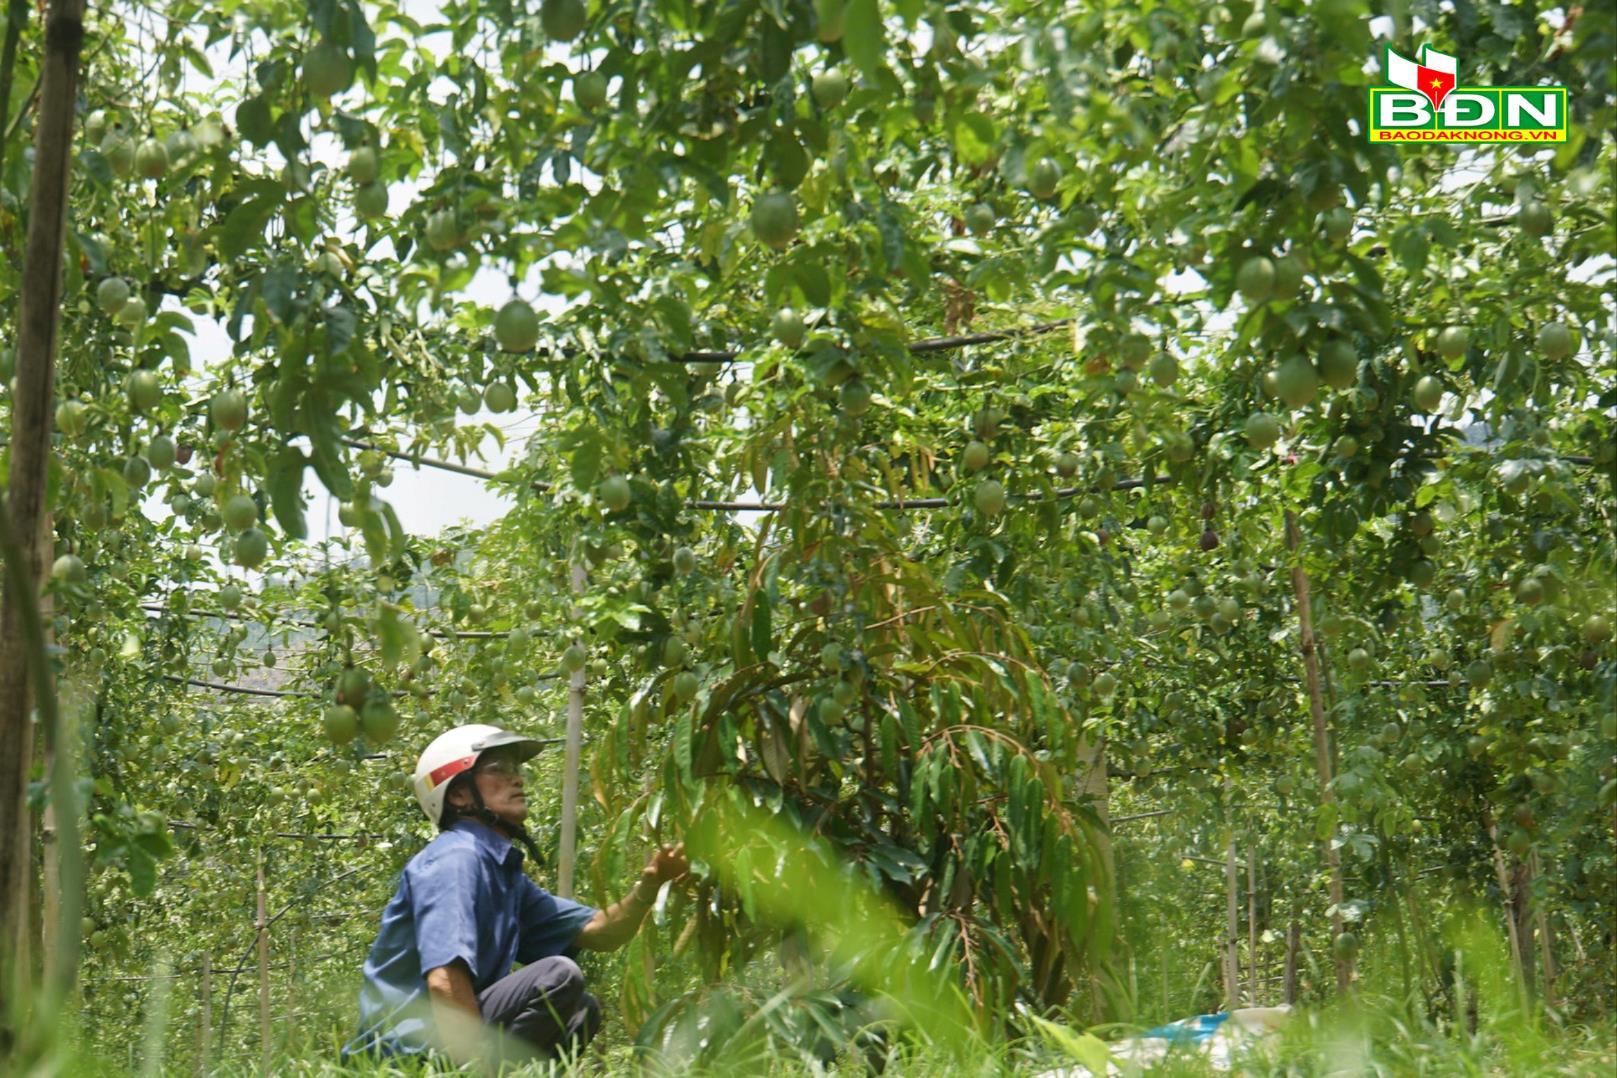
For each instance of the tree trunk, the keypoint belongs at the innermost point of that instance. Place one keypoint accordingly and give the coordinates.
(38, 320)
(1322, 741)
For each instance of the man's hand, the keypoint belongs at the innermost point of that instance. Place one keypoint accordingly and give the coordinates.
(616, 925)
(668, 863)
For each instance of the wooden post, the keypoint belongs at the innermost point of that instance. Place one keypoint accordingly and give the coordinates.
(38, 322)
(1162, 969)
(1506, 895)
(50, 895)
(50, 891)
(1294, 940)
(1232, 926)
(1232, 935)
(1252, 924)
(1546, 942)
(1095, 785)
(205, 1025)
(263, 971)
(1521, 905)
(569, 778)
(1322, 740)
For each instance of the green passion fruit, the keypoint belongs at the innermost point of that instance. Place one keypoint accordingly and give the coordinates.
(500, 397)
(111, 295)
(829, 88)
(239, 512)
(1256, 279)
(1262, 430)
(1043, 179)
(589, 90)
(989, 497)
(1555, 341)
(516, 326)
(774, 219)
(1453, 341)
(228, 409)
(1338, 364)
(1428, 394)
(614, 493)
(563, 20)
(1296, 382)
(364, 166)
(252, 547)
(327, 70)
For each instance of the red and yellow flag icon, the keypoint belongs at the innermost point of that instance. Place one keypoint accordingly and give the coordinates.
(1434, 76)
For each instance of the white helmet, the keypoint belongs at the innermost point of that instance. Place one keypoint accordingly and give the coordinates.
(456, 751)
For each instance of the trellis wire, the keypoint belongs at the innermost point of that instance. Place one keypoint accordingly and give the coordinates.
(889, 504)
(224, 615)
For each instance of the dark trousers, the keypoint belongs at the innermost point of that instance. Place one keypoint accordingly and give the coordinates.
(545, 1005)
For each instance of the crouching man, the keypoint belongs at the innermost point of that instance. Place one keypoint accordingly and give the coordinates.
(439, 974)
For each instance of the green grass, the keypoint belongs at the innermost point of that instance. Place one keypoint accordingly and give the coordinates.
(1369, 1036)
(878, 1013)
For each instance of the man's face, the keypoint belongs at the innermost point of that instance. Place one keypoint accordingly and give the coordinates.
(499, 777)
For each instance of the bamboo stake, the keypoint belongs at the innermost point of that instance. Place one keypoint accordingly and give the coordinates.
(1294, 940)
(1162, 969)
(1252, 924)
(1502, 874)
(1546, 943)
(1322, 741)
(1232, 927)
(50, 897)
(263, 971)
(1577, 940)
(205, 1026)
(569, 778)
(50, 891)
(1404, 961)
(1521, 902)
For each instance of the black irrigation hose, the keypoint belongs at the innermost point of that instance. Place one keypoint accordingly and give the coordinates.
(245, 690)
(441, 634)
(240, 689)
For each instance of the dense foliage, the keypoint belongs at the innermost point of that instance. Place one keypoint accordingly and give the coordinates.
(944, 604)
